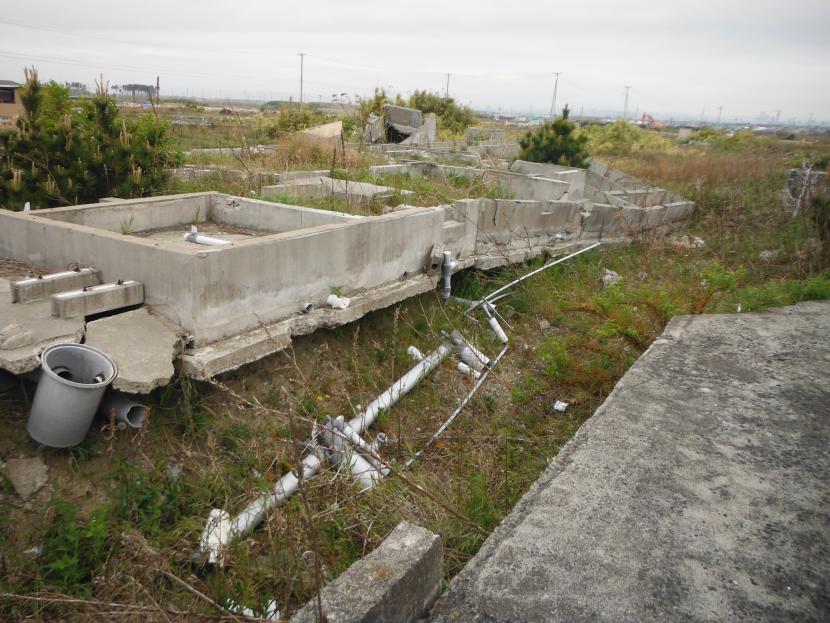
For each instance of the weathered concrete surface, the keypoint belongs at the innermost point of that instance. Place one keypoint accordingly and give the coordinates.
(699, 491)
(143, 347)
(204, 362)
(396, 583)
(26, 329)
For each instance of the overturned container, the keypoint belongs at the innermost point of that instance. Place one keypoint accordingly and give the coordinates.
(72, 383)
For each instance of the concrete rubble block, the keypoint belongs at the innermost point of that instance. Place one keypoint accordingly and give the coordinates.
(28, 476)
(373, 131)
(97, 299)
(44, 286)
(396, 583)
(424, 135)
(26, 329)
(403, 116)
(143, 347)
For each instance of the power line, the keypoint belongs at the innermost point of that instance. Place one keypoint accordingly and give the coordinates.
(302, 58)
(625, 107)
(553, 101)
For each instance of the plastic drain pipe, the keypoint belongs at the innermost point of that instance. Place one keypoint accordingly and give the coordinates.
(197, 238)
(458, 408)
(447, 266)
(358, 442)
(468, 353)
(222, 529)
(126, 410)
(399, 388)
(341, 451)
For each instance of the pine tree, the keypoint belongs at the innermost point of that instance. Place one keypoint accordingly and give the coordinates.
(556, 143)
(59, 156)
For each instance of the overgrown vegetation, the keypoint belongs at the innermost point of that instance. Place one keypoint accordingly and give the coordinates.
(555, 142)
(453, 118)
(61, 153)
(132, 507)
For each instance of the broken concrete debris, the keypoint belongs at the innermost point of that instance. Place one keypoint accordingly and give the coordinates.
(27, 475)
(232, 313)
(398, 581)
(402, 125)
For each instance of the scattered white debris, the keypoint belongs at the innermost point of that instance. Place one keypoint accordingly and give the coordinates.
(34, 552)
(767, 255)
(338, 302)
(27, 207)
(544, 325)
(270, 612)
(610, 278)
(690, 242)
(738, 308)
(560, 406)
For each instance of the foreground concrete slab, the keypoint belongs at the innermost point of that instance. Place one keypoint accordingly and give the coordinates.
(143, 347)
(396, 583)
(697, 492)
(26, 329)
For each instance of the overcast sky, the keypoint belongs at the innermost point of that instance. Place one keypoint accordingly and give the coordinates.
(679, 57)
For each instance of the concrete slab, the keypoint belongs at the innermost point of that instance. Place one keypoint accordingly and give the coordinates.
(697, 492)
(26, 329)
(396, 583)
(142, 345)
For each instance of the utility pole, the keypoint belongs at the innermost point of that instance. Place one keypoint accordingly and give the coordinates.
(777, 116)
(447, 91)
(302, 58)
(625, 108)
(553, 102)
(720, 110)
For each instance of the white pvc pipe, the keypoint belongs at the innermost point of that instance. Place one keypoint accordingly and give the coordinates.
(221, 529)
(464, 368)
(413, 352)
(468, 353)
(496, 327)
(356, 440)
(197, 238)
(399, 388)
(343, 452)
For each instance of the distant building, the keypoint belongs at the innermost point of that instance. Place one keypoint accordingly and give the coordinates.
(10, 104)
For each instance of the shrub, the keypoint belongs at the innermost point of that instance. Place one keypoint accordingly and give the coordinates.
(555, 142)
(451, 117)
(293, 119)
(58, 155)
(622, 138)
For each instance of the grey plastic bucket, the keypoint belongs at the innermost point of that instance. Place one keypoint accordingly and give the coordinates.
(73, 381)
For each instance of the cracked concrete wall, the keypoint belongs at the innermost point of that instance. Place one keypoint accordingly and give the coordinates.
(240, 287)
